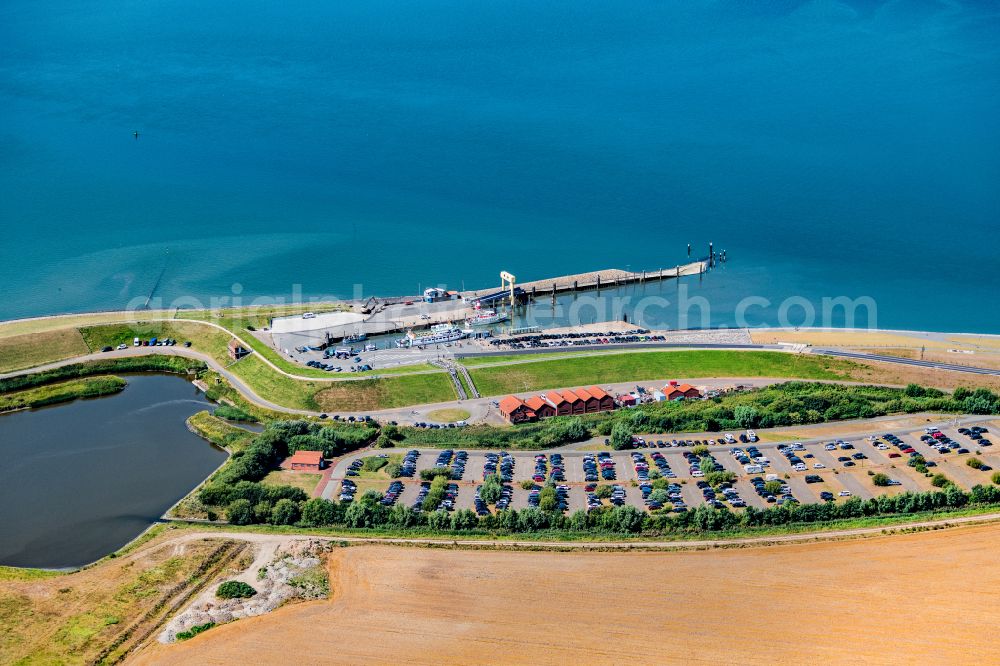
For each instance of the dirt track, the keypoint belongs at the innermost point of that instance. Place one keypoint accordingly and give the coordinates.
(925, 597)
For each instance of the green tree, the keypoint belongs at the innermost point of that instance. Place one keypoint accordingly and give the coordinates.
(285, 512)
(996, 478)
(974, 463)
(621, 436)
(319, 511)
(547, 499)
(659, 495)
(700, 450)
(746, 416)
(491, 489)
(772, 487)
(706, 465)
(239, 512)
(603, 492)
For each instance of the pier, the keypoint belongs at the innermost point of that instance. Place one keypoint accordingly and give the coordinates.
(393, 315)
(607, 278)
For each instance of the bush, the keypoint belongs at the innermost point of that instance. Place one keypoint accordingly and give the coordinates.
(285, 512)
(772, 487)
(603, 492)
(234, 589)
(394, 470)
(718, 478)
(996, 478)
(233, 414)
(880, 479)
(974, 463)
(435, 472)
(527, 485)
(194, 631)
(700, 450)
(940, 481)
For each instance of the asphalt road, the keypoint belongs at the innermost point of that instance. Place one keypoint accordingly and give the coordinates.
(908, 361)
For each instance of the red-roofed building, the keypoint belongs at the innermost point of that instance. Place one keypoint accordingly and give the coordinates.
(575, 401)
(310, 461)
(590, 403)
(540, 406)
(562, 407)
(514, 410)
(627, 400)
(675, 392)
(606, 402)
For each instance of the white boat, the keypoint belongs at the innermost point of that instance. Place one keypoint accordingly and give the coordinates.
(486, 317)
(438, 334)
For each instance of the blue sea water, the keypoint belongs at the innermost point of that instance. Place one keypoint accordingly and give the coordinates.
(832, 148)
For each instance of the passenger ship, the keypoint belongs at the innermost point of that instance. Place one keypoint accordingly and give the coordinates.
(439, 333)
(486, 317)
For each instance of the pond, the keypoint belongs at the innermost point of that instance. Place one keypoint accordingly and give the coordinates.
(80, 480)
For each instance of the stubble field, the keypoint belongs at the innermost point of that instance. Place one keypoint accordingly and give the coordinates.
(926, 597)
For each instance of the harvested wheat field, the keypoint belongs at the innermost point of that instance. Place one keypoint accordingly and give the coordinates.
(926, 597)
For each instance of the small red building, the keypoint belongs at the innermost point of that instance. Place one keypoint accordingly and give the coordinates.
(683, 391)
(311, 461)
(627, 400)
(514, 410)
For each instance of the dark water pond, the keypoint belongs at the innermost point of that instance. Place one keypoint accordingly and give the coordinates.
(79, 480)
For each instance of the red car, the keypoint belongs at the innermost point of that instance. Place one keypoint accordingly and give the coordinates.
(895, 455)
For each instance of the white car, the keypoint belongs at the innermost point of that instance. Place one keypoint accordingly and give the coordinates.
(800, 467)
(136, 342)
(844, 493)
(123, 346)
(882, 447)
(819, 466)
(830, 447)
(308, 315)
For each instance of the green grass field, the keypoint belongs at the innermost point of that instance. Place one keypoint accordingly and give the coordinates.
(474, 361)
(642, 366)
(307, 481)
(386, 393)
(18, 352)
(50, 394)
(203, 338)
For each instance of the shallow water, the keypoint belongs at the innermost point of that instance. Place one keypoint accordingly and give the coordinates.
(80, 480)
(832, 148)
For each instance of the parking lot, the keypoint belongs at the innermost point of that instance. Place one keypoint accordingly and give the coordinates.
(838, 467)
